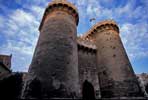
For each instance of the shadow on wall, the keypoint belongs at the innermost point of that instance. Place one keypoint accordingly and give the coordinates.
(88, 91)
(10, 87)
(33, 89)
(146, 88)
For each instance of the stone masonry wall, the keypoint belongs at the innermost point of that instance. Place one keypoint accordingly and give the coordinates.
(116, 76)
(55, 60)
(87, 69)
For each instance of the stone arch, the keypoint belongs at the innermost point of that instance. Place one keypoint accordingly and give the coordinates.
(88, 91)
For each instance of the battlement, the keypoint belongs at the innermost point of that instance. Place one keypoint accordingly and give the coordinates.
(102, 26)
(60, 5)
(86, 44)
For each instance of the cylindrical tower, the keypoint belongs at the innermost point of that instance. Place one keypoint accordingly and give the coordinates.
(55, 60)
(116, 76)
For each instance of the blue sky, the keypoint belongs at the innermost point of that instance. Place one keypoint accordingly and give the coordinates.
(20, 19)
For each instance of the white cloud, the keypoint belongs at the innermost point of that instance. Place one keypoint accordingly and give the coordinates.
(1, 21)
(91, 1)
(21, 35)
(123, 10)
(37, 10)
(127, 12)
(21, 17)
(134, 37)
(21, 55)
(21, 27)
(81, 2)
(90, 10)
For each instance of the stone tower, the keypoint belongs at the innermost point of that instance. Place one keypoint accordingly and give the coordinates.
(55, 60)
(115, 73)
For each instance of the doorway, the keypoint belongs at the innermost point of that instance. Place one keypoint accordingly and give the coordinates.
(88, 92)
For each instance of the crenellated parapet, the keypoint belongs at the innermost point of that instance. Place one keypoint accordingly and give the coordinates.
(86, 45)
(100, 27)
(60, 5)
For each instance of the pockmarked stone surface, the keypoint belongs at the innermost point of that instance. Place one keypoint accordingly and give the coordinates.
(115, 73)
(88, 68)
(55, 60)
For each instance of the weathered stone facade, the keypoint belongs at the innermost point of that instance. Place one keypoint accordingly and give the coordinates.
(55, 60)
(116, 76)
(63, 62)
(87, 68)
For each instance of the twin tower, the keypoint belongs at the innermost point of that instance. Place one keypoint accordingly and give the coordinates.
(67, 66)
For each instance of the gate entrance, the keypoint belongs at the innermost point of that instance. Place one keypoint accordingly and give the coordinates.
(88, 91)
